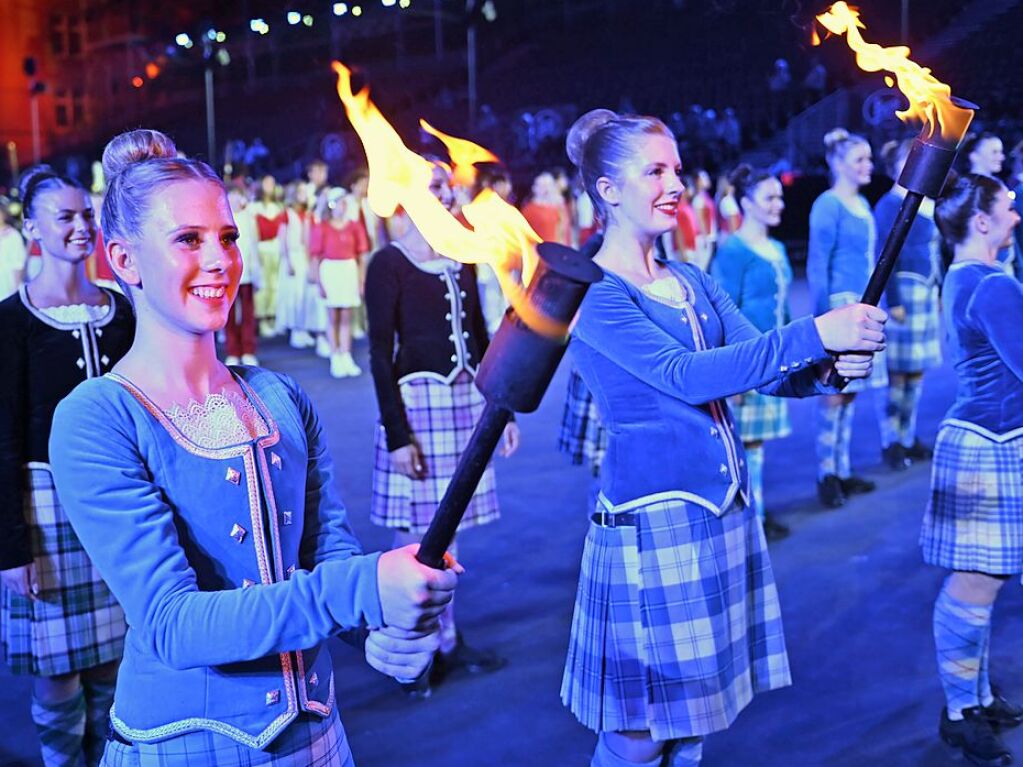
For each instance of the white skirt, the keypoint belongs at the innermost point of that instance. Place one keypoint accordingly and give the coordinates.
(340, 281)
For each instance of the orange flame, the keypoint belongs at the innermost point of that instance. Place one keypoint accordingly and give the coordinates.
(464, 155)
(930, 100)
(500, 236)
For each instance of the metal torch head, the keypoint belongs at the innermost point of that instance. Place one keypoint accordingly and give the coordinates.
(931, 158)
(521, 362)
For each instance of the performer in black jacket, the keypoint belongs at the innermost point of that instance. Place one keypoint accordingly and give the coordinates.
(427, 336)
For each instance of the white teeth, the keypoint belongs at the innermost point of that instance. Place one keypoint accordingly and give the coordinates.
(208, 292)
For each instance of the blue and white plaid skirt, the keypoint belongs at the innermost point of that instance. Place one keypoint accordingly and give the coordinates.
(442, 418)
(677, 622)
(75, 623)
(974, 520)
(309, 741)
(915, 345)
(582, 438)
(760, 417)
(878, 378)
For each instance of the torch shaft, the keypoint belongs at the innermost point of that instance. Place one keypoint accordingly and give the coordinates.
(467, 476)
(886, 262)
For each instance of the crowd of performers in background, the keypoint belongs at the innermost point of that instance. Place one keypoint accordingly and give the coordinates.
(321, 269)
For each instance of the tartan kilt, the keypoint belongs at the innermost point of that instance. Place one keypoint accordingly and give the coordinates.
(974, 518)
(441, 418)
(879, 377)
(915, 345)
(677, 622)
(309, 741)
(75, 623)
(760, 417)
(582, 437)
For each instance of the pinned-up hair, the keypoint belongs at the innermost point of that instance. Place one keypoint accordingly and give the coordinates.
(745, 178)
(600, 142)
(838, 141)
(39, 179)
(962, 198)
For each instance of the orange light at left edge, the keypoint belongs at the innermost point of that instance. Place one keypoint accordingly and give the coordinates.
(500, 236)
(930, 100)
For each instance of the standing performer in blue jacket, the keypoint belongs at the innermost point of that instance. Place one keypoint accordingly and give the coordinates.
(676, 622)
(205, 496)
(839, 260)
(913, 333)
(754, 270)
(973, 525)
(985, 156)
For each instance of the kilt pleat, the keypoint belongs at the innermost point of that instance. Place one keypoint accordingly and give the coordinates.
(760, 417)
(915, 345)
(878, 378)
(677, 623)
(441, 418)
(75, 623)
(974, 518)
(309, 741)
(582, 437)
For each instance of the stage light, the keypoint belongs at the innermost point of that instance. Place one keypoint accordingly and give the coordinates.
(356, 10)
(388, 3)
(340, 9)
(137, 81)
(307, 20)
(259, 25)
(294, 17)
(183, 40)
(223, 57)
(221, 37)
(404, 3)
(152, 70)
(211, 34)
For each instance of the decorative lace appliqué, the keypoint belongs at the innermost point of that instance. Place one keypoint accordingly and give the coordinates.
(76, 314)
(226, 418)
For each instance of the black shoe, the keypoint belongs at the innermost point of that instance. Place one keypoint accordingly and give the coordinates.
(895, 457)
(830, 492)
(918, 451)
(976, 737)
(1002, 714)
(774, 530)
(857, 485)
(468, 659)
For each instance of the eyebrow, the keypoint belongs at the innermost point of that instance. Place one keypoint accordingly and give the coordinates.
(194, 227)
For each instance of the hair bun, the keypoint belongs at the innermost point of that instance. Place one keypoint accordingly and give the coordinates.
(740, 175)
(31, 177)
(834, 137)
(581, 131)
(134, 147)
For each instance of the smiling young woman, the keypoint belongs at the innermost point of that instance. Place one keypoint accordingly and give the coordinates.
(59, 622)
(205, 496)
(676, 621)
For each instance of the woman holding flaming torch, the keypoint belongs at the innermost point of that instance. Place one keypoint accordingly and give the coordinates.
(973, 525)
(677, 622)
(839, 261)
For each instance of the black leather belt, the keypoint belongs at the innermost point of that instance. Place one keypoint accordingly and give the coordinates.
(607, 519)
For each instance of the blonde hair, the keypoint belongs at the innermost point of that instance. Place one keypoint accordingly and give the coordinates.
(838, 142)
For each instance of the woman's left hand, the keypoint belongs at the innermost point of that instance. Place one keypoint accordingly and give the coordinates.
(854, 365)
(400, 653)
(512, 439)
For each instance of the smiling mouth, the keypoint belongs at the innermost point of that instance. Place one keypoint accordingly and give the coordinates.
(209, 292)
(79, 241)
(668, 208)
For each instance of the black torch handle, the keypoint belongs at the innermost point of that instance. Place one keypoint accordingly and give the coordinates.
(467, 476)
(886, 263)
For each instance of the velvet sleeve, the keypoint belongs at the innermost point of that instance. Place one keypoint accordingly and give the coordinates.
(382, 296)
(614, 325)
(15, 550)
(729, 268)
(884, 217)
(996, 307)
(129, 531)
(824, 218)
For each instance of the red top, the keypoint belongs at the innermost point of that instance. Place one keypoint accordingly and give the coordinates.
(707, 213)
(332, 244)
(100, 266)
(687, 224)
(268, 227)
(545, 220)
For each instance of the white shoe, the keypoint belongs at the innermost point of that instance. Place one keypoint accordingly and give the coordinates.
(322, 347)
(267, 329)
(230, 359)
(250, 359)
(358, 334)
(301, 340)
(338, 369)
(350, 367)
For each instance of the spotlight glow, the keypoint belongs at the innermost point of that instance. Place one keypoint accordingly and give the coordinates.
(340, 9)
(356, 10)
(294, 17)
(183, 40)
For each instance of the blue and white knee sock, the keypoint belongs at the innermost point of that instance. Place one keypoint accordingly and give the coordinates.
(755, 467)
(686, 752)
(60, 726)
(99, 697)
(603, 756)
(889, 410)
(908, 407)
(985, 694)
(829, 424)
(960, 632)
(844, 440)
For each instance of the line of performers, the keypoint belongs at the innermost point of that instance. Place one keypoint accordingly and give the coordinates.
(120, 425)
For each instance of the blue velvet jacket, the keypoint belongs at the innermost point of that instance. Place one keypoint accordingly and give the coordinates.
(840, 253)
(982, 307)
(660, 374)
(758, 285)
(233, 565)
(920, 257)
